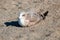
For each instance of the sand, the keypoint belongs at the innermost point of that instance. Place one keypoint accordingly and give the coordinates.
(47, 29)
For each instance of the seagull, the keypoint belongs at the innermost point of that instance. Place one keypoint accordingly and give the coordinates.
(29, 18)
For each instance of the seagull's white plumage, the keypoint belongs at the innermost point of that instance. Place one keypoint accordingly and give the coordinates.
(28, 18)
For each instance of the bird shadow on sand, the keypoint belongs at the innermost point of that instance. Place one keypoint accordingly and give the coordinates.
(12, 23)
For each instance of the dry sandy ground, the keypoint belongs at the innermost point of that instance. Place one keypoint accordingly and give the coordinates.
(47, 29)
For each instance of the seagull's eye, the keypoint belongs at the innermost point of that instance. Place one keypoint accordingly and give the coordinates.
(23, 15)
